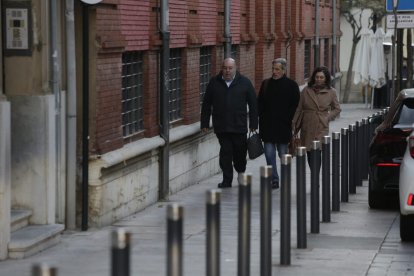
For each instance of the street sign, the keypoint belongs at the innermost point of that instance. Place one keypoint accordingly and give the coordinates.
(404, 21)
(403, 5)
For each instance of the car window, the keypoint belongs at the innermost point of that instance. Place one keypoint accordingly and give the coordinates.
(405, 115)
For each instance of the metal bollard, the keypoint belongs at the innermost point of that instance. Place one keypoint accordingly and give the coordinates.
(243, 267)
(266, 221)
(43, 270)
(365, 145)
(213, 232)
(358, 150)
(120, 250)
(175, 240)
(301, 196)
(326, 175)
(351, 159)
(285, 209)
(315, 160)
(344, 165)
(335, 171)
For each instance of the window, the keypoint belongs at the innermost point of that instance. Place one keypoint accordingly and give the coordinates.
(132, 93)
(205, 70)
(307, 59)
(174, 100)
(234, 51)
(326, 52)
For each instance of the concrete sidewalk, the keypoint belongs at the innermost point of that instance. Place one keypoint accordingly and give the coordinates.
(357, 241)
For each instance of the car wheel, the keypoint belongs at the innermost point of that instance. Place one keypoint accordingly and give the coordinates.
(407, 227)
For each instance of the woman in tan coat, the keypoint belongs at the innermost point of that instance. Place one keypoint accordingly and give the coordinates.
(318, 105)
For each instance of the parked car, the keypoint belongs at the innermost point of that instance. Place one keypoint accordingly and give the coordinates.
(386, 151)
(407, 192)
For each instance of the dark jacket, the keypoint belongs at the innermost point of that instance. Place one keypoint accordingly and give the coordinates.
(228, 105)
(277, 102)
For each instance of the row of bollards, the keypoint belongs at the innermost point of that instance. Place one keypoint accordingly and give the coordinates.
(344, 159)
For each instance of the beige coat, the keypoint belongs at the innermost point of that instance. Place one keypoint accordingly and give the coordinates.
(313, 114)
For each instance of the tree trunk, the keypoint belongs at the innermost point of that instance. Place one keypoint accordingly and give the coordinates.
(348, 83)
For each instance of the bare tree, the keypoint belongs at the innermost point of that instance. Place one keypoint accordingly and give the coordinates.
(352, 11)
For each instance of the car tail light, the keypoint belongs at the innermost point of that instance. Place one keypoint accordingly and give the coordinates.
(410, 200)
(384, 164)
(411, 145)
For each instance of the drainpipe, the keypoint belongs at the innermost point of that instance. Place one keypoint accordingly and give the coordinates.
(289, 31)
(164, 92)
(54, 83)
(227, 34)
(316, 47)
(70, 117)
(334, 34)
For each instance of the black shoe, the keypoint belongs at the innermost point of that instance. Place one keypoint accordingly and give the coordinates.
(223, 185)
(275, 185)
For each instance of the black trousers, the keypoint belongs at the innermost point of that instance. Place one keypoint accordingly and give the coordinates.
(233, 150)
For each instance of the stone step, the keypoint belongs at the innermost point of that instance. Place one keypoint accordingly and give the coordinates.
(19, 219)
(33, 239)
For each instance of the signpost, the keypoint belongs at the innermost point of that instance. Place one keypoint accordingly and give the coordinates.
(403, 5)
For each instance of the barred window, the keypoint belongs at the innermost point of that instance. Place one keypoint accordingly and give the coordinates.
(326, 52)
(132, 93)
(174, 107)
(307, 59)
(234, 51)
(205, 70)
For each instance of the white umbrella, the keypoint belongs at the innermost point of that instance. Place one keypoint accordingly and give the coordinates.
(362, 57)
(377, 64)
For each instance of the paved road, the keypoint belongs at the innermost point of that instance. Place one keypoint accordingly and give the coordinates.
(357, 241)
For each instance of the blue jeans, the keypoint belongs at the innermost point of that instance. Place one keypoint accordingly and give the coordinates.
(270, 154)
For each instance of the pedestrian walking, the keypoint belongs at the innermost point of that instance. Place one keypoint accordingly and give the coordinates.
(318, 105)
(277, 102)
(226, 99)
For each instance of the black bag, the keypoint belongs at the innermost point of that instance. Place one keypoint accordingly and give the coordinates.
(254, 145)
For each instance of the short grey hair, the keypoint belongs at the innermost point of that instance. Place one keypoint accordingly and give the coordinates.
(281, 61)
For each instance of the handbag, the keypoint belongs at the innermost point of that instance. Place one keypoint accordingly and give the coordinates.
(293, 144)
(254, 145)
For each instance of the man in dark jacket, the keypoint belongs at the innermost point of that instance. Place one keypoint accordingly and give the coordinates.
(227, 96)
(277, 101)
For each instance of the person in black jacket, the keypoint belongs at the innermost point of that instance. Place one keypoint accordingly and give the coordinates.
(227, 96)
(277, 102)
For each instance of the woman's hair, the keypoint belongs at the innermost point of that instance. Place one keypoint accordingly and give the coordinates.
(325, 71)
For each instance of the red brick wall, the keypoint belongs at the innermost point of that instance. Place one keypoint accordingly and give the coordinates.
(262, 29)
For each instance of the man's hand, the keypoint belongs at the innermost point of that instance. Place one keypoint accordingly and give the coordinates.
(252, 130)
(204, 130)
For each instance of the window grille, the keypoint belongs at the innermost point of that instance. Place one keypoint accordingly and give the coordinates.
(205, 70)
(132, 93)
(174, 107)
(307, 59)
(326, 52)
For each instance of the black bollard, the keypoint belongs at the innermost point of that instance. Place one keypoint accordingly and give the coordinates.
(335, 171)
(43, 270)
(213, 232)
(285, 209)
(120, 252)
(351, 159)
(175, 240)
(314, 166)
(326, 175)
(358, 150)
(266, 221)
(243, 261)
(365, 144)
(344, 165)
(301, 196)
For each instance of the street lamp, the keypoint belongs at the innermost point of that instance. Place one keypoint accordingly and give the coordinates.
(394, 10)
